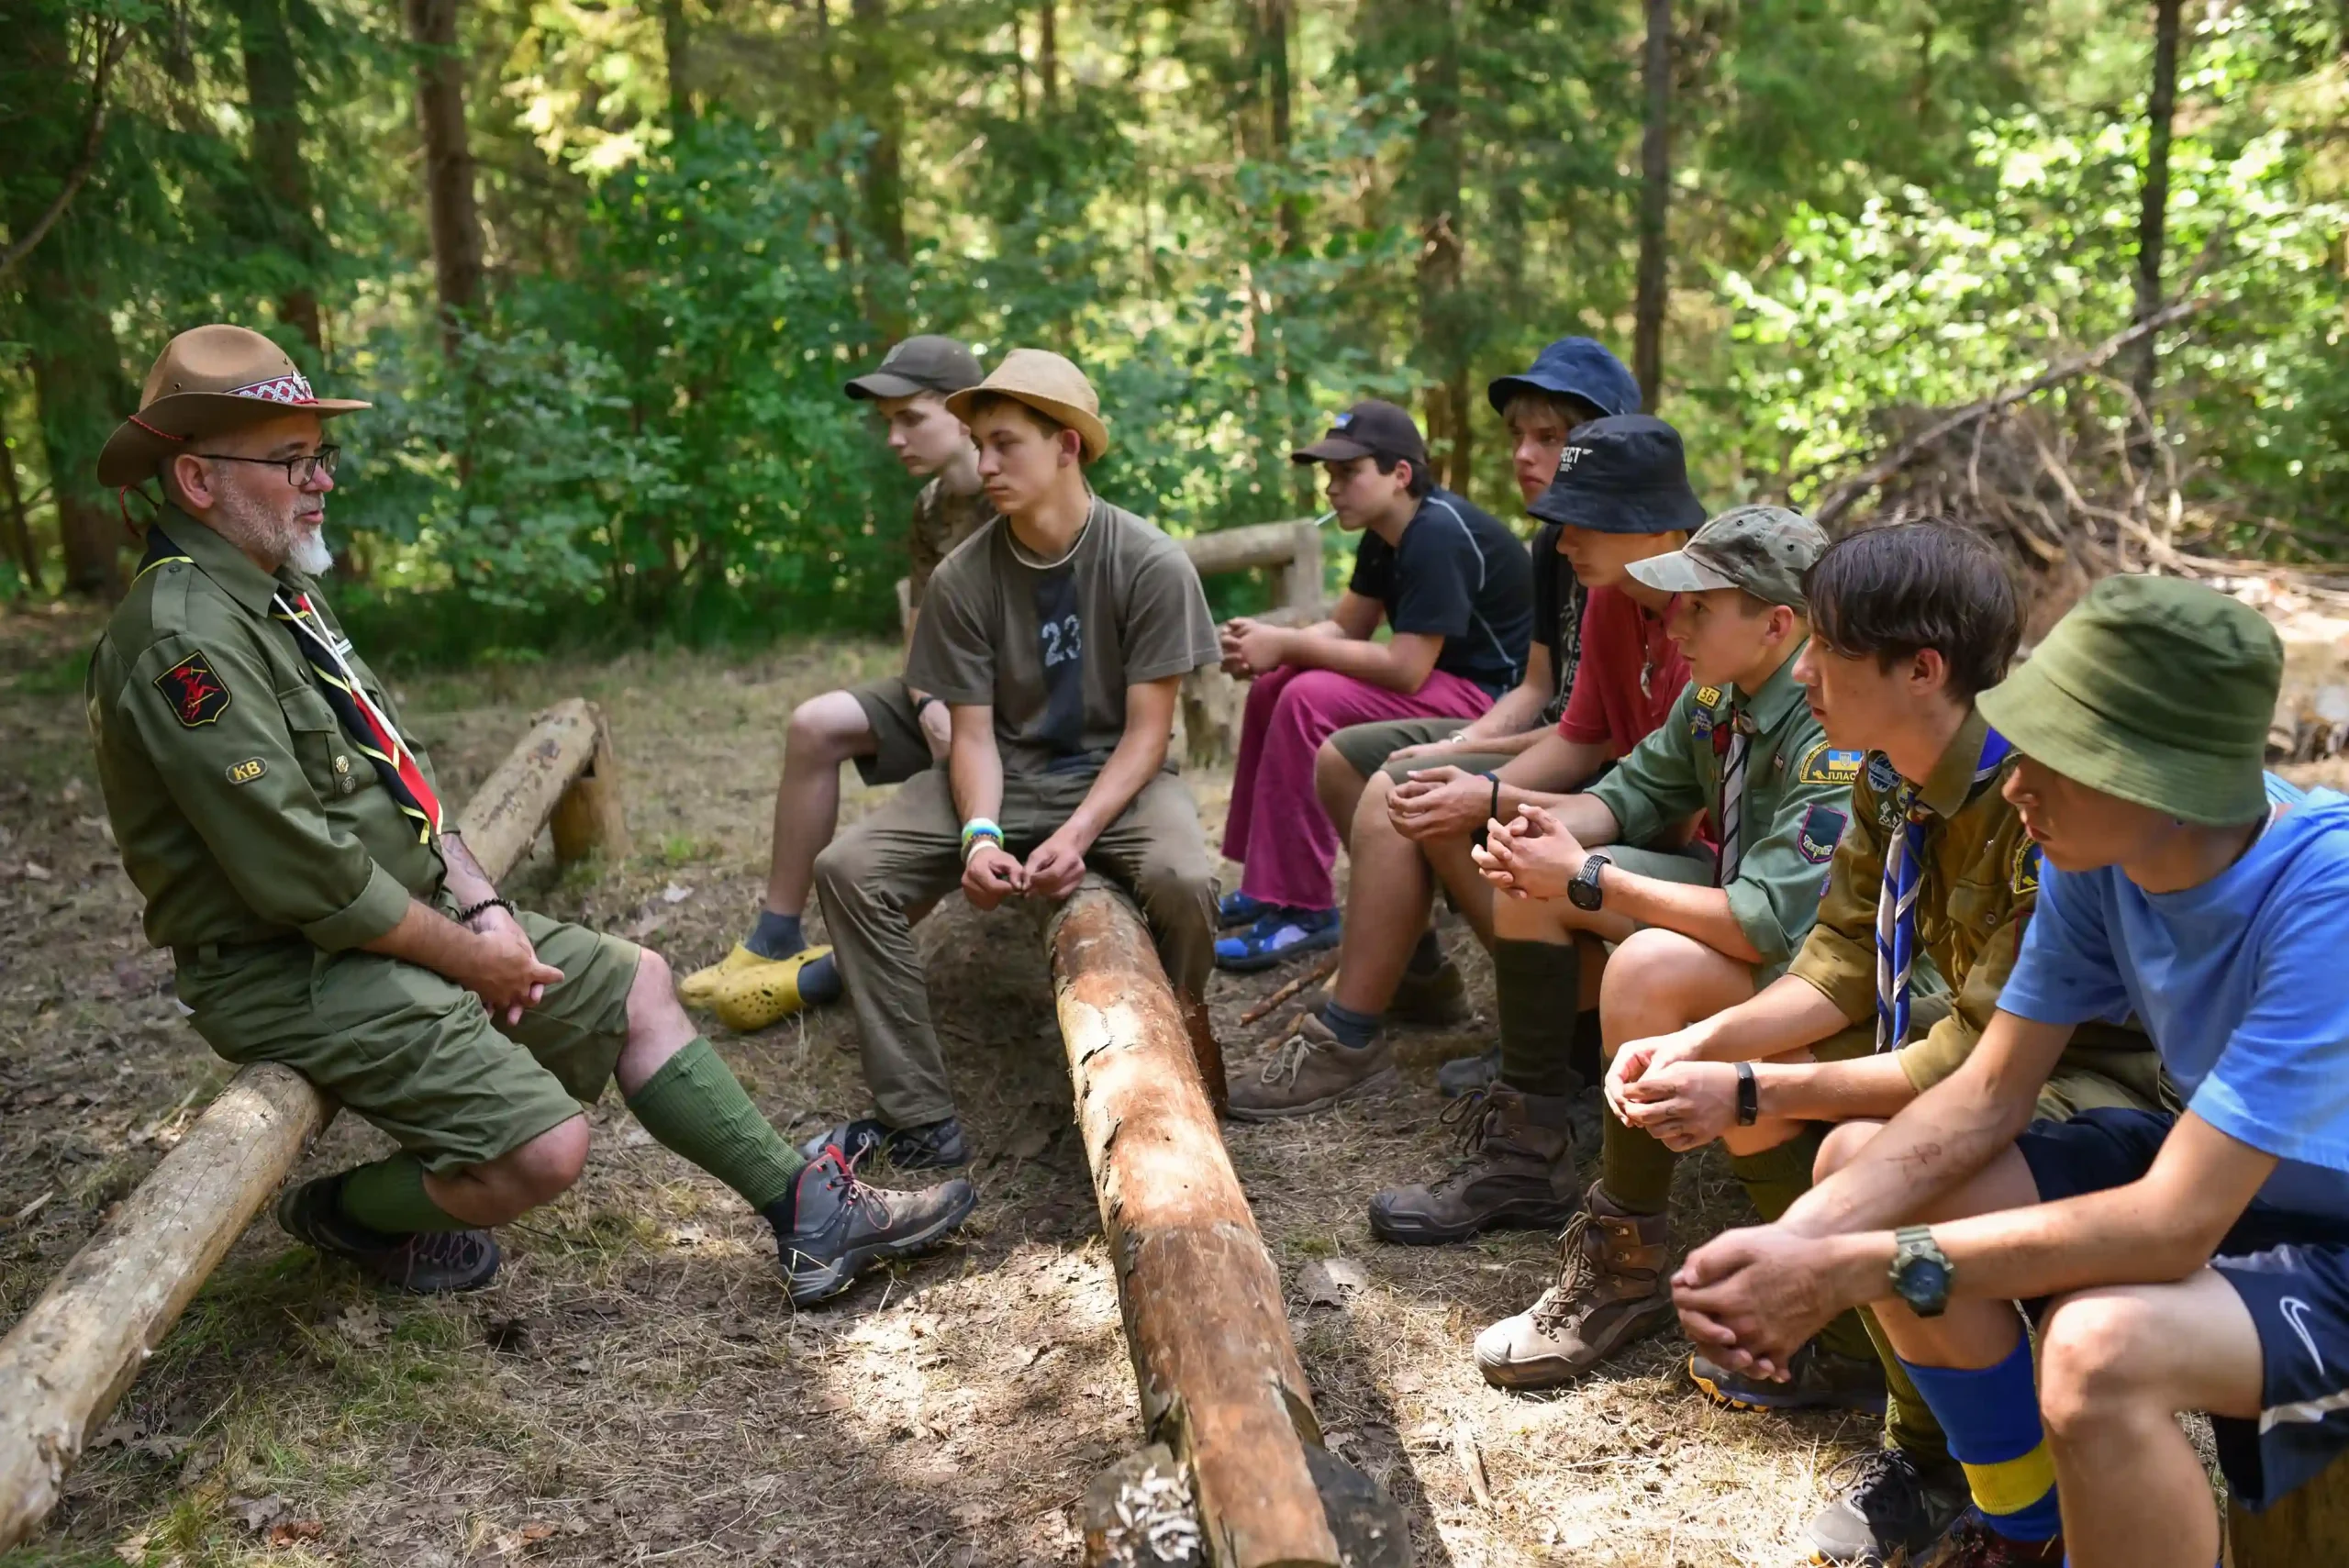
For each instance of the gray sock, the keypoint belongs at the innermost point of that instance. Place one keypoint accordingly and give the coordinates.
(775, 935)
(1428, 957)
(1354, 1030)
(819, 981)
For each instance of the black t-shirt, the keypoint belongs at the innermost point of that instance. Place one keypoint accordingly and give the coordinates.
(1559, 599)
(1459, 574)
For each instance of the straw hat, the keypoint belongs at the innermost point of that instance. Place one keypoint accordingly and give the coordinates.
(1048, 383)
(207, 380)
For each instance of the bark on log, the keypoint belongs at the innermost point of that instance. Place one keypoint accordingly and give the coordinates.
(79, 1347)
(588, 820)
(2306, 1527)
(1263, 544)
(1219, 1378)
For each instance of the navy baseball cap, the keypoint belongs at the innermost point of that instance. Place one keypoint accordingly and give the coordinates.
(1372, 427)
(1624, 475)
(1578, 367)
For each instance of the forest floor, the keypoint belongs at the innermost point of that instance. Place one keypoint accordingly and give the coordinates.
(635, 1387)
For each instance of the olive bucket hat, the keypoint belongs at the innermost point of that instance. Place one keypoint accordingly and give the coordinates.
(2153, 690)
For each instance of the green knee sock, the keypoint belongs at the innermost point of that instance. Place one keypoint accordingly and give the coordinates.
(389, 1196)
(694, 1106)
(1908, 1419)
(1538, 986)
(1633, 1167)
(1774, 1179)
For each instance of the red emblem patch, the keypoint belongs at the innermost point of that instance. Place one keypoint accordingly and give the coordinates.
(196, 694)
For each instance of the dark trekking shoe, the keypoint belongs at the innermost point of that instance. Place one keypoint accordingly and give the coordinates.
(1610, 1291)
(1887, 1509)
(1518, 1174)
(1436, 997)
(1467, 1074)
(1972, 1543)
(935, 1146)
(1819, 1379)
(839, 1226)
(429, 1263)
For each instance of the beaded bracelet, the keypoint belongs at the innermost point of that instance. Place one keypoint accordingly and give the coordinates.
(467, 915)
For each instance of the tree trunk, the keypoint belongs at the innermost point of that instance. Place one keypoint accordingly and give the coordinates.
(1655, 201)
(1048, 53)
(1443, 346)
(1275, 19)
(875, 88)
(273, 91)
(676, 47)
(450, 203)
(2153, 213)
(20, 532)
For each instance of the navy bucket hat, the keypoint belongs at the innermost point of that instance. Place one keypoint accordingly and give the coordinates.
(1622, 475)
(1577, 366)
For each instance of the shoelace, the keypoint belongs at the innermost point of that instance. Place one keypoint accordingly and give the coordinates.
(854, 1192)
(459, 1249)
(1285, 1064)
(1574, 1271)
(1476, 1117)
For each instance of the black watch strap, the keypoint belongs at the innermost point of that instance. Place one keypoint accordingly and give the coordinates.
(1749, 1096)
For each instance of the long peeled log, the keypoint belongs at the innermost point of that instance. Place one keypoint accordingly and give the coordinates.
(1221, 1382)
(72, 1355)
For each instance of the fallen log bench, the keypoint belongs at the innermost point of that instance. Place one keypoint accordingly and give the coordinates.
(2306, 1527)
(77, 1349)
(1235, 1473)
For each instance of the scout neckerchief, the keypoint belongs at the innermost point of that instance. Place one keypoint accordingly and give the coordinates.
(1895, 905)
(369, 727)
(1733, 797)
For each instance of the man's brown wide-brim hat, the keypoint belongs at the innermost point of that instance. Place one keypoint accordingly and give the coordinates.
(1049, 384)
(209, 379)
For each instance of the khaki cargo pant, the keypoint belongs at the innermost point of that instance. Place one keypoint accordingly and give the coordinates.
(908, 853)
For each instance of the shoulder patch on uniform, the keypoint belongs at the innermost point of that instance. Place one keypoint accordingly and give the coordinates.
(1883, 777)
(196, 694)
(1700, 711)
(1709, 697)
(2023, 878)
(1822, 828)
(247, 770)
(1822, 764)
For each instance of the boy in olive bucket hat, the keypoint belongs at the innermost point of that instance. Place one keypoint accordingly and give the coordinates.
(2190, 1260)
(889, 730)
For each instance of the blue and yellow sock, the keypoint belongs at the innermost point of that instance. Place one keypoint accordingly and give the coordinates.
(1992, 1419)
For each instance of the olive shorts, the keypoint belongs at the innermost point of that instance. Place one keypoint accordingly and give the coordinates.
(415, 1054)
(1367, 747)
(901, 748)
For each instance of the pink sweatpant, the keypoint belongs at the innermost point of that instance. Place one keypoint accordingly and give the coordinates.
(1277, 828)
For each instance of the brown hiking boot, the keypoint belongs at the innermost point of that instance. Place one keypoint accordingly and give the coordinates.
(1610, 1290)
(1310, 1072)
(1519, 1173)
(1438, 996)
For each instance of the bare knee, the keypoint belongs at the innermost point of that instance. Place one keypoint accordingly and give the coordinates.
(1655, 982)
(652, 995)
(2093, 1350)
(539, 1172)
(824, 730)
(1841, 1146)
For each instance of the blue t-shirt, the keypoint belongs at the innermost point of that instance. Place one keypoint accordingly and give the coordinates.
(2243, 982)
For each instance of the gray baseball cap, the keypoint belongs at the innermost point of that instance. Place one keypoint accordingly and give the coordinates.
(927, 364)
(1762, 549)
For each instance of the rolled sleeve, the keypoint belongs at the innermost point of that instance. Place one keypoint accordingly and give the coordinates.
(381, 905)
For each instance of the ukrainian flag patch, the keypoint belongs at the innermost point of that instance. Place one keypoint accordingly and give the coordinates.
(1822, 764)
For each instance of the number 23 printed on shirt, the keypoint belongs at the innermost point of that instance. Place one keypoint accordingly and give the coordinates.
(1063, 640)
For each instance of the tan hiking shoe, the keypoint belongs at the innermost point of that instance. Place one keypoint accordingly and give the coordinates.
(1310, 1072)
(1519, 1173)
(1610, 1290)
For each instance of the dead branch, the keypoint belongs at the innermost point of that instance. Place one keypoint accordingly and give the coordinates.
(113, 40)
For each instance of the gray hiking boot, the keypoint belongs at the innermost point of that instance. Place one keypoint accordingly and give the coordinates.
(1817, 1379)
(1610, 1290)
(429, 1263)
(1310, 1072)
(1888, 1508)
(1467, 1074)
(1519, 1173)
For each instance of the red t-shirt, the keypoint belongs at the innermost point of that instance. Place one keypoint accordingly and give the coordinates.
(1629, 676)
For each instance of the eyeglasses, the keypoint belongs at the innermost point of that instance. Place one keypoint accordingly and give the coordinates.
(299, 471)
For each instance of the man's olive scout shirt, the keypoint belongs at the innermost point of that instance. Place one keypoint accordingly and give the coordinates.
(1797, 795)
(1976, 886)
(243, 811)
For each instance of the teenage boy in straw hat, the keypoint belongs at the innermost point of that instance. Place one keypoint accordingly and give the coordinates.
(1934, 875)
(1570, 382)
(1692, 935)
(1620, 494)
(2190, 1260)
(1058, 636)
(321, 912)
(890, 730)
(1454, 587)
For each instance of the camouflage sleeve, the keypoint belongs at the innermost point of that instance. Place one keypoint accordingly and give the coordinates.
(926, 542)
(232, 752)
(1839, 956)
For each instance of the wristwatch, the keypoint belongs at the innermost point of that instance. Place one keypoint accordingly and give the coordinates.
(1921, 1272)
(1749, 1096)
(1583, 892)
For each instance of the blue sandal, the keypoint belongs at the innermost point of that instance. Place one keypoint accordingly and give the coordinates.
(1277, 936)
(1236, 909)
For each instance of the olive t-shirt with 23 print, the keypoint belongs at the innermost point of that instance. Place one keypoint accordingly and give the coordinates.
(1052, 648)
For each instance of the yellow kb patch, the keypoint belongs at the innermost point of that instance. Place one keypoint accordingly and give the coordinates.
(247, 770)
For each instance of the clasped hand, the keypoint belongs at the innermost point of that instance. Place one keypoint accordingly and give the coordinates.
(504, 970)
(1439, 803)
(1531, 855)
(993, 873)
(1250, 648)
(1663, 1087)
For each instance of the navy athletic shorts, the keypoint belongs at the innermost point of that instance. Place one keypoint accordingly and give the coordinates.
(2291, 1270)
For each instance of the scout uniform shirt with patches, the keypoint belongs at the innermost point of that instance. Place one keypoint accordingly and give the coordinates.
(244, 811)
(1977, 884)
(1797, 792)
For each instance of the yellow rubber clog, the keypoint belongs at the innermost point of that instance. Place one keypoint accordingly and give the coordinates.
(755, 996)
(700, 988)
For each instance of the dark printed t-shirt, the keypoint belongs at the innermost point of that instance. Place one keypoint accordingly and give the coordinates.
(1559, 600)
(1461, 575)
(1052, 648)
